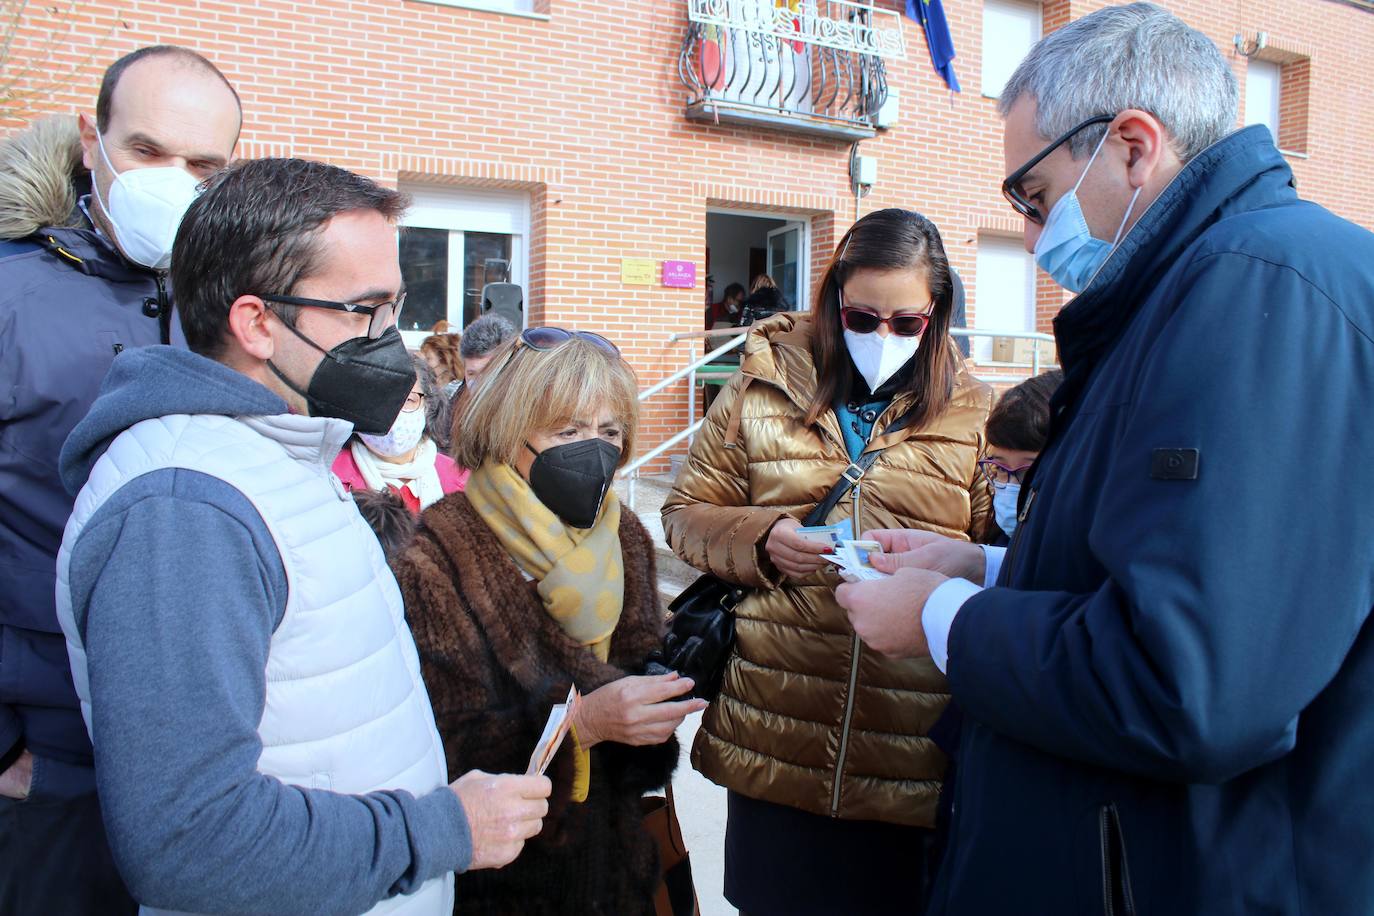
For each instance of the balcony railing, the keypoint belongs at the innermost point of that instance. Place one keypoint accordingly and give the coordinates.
(796, 77)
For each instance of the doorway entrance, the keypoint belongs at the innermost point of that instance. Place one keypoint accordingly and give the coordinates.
(742, 246)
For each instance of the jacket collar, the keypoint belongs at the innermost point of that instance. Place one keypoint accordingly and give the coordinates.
(1242, 171)
(778, 352)
(87, 249)
(312, 441)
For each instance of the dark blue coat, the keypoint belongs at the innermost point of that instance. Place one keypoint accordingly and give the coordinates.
(1169, 698)
(69, 303)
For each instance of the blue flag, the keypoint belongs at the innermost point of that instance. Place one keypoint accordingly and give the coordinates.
(931, 15)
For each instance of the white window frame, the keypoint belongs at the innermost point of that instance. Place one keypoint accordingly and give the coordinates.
(461, 210)
(1263, 107)
(983, 319)
(1001, 45)
(523, 8)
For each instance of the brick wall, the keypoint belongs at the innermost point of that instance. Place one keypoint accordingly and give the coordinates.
(584, 110)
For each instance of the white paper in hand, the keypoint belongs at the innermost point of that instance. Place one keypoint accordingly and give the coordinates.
(555, 730)
(852, 559)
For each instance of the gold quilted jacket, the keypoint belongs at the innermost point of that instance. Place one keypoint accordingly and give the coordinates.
(807, 716)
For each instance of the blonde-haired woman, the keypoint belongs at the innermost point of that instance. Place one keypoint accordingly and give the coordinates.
(534, 579)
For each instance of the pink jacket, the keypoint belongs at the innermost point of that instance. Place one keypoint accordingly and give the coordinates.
(451, 477)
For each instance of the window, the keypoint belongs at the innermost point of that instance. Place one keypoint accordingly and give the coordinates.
(1262, 82)
(1276, 93)
(1010, 30)
(1004, 291)
(453, 243)
(495, 6)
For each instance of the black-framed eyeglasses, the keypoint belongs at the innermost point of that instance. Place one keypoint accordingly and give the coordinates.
(1011, 187)
(903, 324)
(380, 316)
(999, 475)
(413, 402)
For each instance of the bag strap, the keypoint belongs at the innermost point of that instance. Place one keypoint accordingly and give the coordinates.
(848, 478)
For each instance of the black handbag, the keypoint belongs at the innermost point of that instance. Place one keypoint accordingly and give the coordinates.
(701, 625)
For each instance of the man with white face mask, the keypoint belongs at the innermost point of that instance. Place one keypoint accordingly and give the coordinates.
(90, 206)
(1168, 682)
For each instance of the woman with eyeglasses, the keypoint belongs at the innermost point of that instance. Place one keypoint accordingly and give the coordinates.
(822, 743)
(532, 580)
(405, 459)
(1016, 432)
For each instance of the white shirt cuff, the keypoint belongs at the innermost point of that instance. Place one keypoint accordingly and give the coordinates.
(992, 563)
(941, 608)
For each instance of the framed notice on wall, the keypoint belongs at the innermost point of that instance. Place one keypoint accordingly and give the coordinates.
(637, 271)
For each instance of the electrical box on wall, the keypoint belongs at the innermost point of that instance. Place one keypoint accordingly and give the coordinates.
(863, 170)
(888, 113)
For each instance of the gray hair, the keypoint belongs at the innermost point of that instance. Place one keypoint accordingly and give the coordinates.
(485, 335)
(1134, 56)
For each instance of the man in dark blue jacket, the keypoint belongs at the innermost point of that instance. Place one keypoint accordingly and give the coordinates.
(1169, 685)
(88, 209)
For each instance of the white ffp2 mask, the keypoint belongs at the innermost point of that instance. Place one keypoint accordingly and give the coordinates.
(145, 209)
(878, 358)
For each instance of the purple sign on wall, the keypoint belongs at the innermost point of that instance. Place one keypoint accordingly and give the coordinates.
(681, 274)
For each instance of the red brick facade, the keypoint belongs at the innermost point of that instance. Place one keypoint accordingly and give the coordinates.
(581, 105)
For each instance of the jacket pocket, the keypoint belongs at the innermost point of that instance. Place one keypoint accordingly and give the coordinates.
(1117, 899)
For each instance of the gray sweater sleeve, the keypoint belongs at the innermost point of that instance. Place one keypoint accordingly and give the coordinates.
(178, 587)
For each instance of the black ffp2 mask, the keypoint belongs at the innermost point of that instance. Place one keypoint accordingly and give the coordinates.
(363, 380)
(572, 479)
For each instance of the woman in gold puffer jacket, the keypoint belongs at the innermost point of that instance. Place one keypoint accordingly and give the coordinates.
(822, 742)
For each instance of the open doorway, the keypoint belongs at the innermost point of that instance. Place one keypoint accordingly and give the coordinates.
(741, 247)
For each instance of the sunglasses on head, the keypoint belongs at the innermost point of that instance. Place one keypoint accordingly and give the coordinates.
(547, 338)
(903, 324)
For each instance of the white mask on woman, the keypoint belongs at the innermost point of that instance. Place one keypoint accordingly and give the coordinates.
(878, 358)
(401, 439)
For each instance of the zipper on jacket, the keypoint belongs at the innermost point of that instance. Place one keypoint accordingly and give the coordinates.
(854, 650)
(1020, 525)
(164, 310)
(1116, 877)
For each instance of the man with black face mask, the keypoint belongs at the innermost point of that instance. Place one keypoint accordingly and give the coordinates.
(264, 744)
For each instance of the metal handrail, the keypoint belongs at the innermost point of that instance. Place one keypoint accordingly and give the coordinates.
(692, 367)
(1034, 364)
(630, 472)
(717, 332)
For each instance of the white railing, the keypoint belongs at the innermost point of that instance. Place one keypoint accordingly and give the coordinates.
(631, 472)
(1036, 365)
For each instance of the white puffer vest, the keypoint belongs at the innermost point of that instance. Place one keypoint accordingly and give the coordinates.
(346, 709)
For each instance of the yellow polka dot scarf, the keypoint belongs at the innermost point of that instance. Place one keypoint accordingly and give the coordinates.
(579, 572)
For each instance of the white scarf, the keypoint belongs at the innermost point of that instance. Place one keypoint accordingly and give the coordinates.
(419, 473)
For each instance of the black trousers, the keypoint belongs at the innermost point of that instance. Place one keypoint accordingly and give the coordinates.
(782, 861)
(54, 858)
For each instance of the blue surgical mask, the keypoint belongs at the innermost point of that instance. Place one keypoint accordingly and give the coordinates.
(1004, 506)
(1066, 249)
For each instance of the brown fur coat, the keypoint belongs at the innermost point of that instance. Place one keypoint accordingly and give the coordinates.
(494, 662)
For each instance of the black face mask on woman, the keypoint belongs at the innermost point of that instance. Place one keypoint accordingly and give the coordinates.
(363, 380)
(572, 479)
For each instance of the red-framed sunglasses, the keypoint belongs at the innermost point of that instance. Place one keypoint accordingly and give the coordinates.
(903, 324)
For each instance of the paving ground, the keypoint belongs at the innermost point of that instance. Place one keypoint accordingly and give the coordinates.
(700, 804)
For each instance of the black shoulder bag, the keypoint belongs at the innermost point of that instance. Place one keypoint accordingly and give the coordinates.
(701, 628)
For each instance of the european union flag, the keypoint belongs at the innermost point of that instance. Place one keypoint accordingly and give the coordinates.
(931, 15)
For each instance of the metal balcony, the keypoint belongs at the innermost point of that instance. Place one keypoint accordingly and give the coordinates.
(746, 76)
